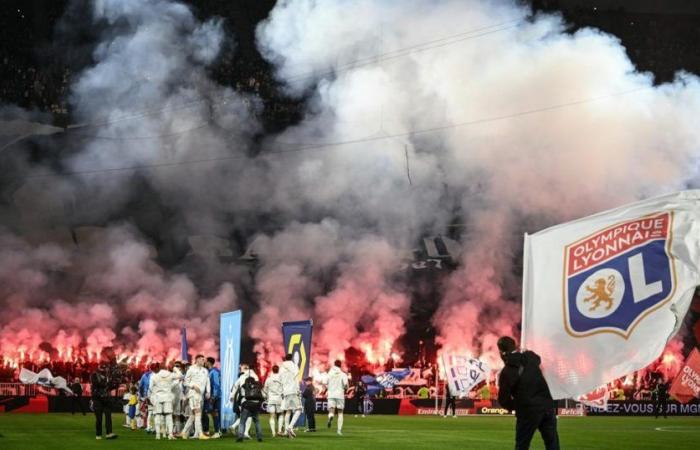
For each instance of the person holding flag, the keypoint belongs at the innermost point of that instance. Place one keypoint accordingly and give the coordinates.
(522, 388)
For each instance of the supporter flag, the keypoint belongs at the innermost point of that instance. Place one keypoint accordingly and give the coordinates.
(686, 386)
(297, 342)
(603, 295)
(463, 373)
(183, 345)
(597, 398)
(230, 354)
(384, 380)
(44, 378)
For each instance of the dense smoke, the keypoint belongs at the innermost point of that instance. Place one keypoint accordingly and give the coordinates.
(508, 128)
(420, 115)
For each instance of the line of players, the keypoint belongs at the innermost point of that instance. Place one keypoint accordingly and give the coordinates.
(171, 396)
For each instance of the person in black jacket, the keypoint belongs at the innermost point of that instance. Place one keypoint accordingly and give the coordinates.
(359, 397)
(522, 387)
(77, 399)
(251, 398)
(100, 387)
(660, 399)
(309, 396)
(449, 402)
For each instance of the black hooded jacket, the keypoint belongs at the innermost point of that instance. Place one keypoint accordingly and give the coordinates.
(521, 385)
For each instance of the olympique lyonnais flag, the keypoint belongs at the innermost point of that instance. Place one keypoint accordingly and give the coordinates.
(229, 356)
(183, 345)
(384, 380)
(463, 373)
(297, 342)
(603, 295)
(686, 386)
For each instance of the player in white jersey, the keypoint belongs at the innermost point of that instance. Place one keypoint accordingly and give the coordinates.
(160, 394)
(245, 372)
(337, 385)
(291, 396)
(177, 398)
(273, 395)
(197, 384)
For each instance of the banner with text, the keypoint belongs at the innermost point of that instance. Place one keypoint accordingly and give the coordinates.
(686, 386)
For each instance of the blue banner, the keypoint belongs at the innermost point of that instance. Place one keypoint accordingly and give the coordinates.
(183, 345)
(297, 342)
(230, 348)
(384, 380)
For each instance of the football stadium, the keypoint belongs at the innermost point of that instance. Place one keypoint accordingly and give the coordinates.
(350, 224)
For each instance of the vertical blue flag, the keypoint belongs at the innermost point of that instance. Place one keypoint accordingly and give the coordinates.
(183, 345)
(297, 342)
(230, 355)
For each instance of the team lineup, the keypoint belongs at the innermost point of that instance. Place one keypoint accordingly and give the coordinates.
(176, 402)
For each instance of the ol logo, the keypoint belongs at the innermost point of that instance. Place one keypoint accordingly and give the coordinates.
(298, 351)
(614, 277)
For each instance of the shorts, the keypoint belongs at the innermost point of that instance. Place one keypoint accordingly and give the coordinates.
(291, 402)
(164, 407)
(132, 411)
(274, 408)
(337, 403)
(194, 401)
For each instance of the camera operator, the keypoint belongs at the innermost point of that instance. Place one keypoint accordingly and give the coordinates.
(102, 382)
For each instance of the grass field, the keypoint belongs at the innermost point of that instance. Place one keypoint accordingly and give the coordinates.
(63, 431)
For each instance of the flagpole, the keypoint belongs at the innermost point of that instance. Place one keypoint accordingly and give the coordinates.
(437, 385)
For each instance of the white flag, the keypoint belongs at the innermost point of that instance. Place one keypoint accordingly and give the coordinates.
(463, 373)
(603, 295)
(44, 378)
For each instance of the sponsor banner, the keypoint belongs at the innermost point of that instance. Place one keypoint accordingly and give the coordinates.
(686, 386)
(492, 410)
(230, 355)
(643, 408)
(578, 411)
(297, 342)
(602, 295)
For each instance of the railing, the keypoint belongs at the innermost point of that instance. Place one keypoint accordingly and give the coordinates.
(17, 389)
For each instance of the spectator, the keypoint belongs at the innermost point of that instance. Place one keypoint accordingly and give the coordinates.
(77, 400)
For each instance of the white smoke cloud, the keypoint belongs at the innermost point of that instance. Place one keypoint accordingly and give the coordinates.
(530, 126)
(492, 119)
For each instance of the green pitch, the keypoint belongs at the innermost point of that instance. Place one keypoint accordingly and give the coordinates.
(63, 431)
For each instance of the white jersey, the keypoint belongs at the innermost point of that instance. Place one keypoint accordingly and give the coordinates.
(177, 384)
(273, 389)
(197, 377)
(241, 381)
(337, 383)
(160, 388)
(289, 373)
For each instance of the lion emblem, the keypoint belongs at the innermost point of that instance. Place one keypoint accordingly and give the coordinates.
(601, 291)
